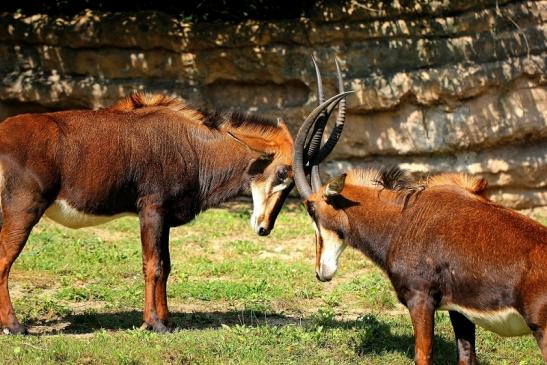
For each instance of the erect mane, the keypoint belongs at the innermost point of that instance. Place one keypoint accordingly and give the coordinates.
(391, 178)
(473, 184)
(396, 179)
(211, 119)
(138, 100)
(258, 133)
(275, 137)
(235, 119)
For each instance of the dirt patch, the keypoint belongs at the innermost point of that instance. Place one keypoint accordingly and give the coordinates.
(107, 235)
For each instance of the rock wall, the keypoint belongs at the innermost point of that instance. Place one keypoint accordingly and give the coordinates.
(441, 85)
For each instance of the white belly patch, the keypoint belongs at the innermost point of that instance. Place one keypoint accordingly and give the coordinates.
(61, 212)
(505, 322)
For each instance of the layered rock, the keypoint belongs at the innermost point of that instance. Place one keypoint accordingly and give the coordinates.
(441, 86)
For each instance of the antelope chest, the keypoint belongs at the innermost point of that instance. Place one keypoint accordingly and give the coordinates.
(63, 213)
(504, 322)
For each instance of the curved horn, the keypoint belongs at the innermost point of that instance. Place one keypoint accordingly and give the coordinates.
(313, 146)
(314, 143)
(315, 178)
(298, 161)
(320, 95)
(327, 148)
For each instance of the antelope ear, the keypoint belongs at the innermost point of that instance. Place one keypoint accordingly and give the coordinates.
(281, 123)
(335, 186)
(254, 143)
(258, 165)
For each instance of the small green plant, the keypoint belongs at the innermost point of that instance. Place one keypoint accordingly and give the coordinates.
(374, 290)
(332, 300)
(324, 316)
(230, 303)
(246, 247)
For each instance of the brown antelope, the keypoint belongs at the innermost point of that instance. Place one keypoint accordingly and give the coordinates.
(443, 245)
(147, 155)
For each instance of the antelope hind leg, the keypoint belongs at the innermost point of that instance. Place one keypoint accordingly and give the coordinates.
(18, 220)
(161, 285)
(464, 330)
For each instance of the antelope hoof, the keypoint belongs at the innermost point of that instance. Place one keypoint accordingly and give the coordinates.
(157, 326)
(15, 330)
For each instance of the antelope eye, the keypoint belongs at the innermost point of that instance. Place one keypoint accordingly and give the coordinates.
(281, 174)
(311, 210)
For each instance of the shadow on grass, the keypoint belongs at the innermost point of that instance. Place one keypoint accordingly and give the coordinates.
(92, 321)
(374, 336)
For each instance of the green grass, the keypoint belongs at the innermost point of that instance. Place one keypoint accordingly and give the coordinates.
(234, 297)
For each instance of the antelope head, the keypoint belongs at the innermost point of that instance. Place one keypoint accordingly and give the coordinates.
(322, 202)
(275, 181)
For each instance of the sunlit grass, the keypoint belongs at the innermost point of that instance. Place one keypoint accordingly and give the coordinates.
(234, 297)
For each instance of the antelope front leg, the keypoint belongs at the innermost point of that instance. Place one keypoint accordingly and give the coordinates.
(422, 313)
(152, 231)
(161, 286)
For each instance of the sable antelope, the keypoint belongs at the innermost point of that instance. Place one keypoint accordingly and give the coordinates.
(442, 243)
(148, 155)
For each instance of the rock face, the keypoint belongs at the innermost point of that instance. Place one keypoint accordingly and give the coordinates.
(441, 85)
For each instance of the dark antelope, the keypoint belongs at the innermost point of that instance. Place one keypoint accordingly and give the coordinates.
(443, 245)
(147, 155)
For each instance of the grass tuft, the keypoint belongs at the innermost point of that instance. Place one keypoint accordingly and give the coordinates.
(234, 298)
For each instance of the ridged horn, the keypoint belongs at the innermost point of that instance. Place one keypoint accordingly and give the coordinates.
(327, 148)
(298, 161)
(320, 94)
(314, 144)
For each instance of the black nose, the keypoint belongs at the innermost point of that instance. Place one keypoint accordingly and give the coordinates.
(321, 280)
(263, 231)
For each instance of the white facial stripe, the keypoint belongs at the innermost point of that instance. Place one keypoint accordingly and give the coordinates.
(504, 322)
(259, 203)
(333, 246)
(285, 184)
(315, 228)
(264, 199)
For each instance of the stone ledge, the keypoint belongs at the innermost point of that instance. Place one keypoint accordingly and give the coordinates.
(441, 86)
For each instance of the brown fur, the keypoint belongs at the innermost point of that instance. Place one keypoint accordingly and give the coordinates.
(149, 155)
(259, 133)
(447, 247)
